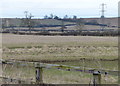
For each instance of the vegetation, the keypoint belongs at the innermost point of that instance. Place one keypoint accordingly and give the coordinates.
(57, 48)
(85, 51)
(54, 76)
(91, 52)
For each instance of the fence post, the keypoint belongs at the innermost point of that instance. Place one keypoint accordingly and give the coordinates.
(96, 78)
(38, 73)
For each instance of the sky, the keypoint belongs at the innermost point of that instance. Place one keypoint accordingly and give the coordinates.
(40, 8)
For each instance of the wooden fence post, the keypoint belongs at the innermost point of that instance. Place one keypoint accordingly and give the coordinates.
(96, 78)
(38, 73)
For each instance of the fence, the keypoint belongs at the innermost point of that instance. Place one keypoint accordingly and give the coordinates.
(39, 70)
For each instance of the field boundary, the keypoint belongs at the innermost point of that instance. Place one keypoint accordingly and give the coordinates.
(63, 32)
(40, 66)
(54, 61)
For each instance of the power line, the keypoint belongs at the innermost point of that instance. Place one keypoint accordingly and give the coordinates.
(103, 9)
(103, 15)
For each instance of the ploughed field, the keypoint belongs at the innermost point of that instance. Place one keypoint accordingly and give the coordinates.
(84, 51)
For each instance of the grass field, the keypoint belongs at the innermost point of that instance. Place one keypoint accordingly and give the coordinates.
(59, 47)
(70, 49)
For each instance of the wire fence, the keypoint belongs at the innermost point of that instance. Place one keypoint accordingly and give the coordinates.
(22, 72)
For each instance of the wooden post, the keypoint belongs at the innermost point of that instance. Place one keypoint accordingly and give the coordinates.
(96, 78)
(84, 64)
(38, 73)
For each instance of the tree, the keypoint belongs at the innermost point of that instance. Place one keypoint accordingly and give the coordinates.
(62, 26)
(74, 17)
(28, 21)
(56, 17)
(66, 17)
(51, 16)
(79, 24)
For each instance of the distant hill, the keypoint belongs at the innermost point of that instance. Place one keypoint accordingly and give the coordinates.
(37, 22)
(54, 22)
(107, 21)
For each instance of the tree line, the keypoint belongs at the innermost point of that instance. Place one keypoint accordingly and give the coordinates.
(52, 16)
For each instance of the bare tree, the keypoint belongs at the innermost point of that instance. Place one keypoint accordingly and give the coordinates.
(62, 26)
(51, 16)
(28, 21)
(79, 25)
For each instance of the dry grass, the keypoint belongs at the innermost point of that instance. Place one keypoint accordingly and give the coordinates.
(36, 48)
(60, 53)
(30, 47)
(11, 39)
(53, 76)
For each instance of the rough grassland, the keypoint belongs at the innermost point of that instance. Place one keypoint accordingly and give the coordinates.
(29, 47)
(60, 48)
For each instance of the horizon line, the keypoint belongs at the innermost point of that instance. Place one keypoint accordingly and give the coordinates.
(62, 18)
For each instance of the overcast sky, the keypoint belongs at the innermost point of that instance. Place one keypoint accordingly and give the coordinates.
(39, 8)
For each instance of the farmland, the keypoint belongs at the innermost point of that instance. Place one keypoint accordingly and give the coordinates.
(84, 51)
(89, 27)
(58, 47)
